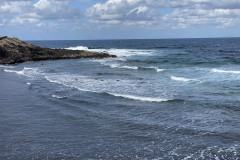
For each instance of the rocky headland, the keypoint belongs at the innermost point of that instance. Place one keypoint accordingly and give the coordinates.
(13, 50)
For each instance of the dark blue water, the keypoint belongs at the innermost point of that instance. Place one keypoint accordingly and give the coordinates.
(160, 99)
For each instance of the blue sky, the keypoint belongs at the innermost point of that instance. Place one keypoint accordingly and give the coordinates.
(119, 19)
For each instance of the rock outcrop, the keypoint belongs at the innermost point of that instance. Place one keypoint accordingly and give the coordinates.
(13, 50)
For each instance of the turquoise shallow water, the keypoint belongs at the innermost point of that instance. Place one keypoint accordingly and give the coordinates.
(160, 99)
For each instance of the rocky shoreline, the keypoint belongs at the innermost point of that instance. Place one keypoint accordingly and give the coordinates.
(13, 50)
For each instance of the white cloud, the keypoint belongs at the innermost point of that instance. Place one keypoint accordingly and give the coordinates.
(196, 17)
(186, 13)
(127, 12)
(214, 4)
(24, 12)
(15, 6)
(55, 9)
(120, 13)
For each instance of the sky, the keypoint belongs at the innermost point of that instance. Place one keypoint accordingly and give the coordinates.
(119, 19)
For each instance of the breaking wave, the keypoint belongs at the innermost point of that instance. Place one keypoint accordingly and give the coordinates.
(225, 71)
(181, 79)
(123, 66)
(146, 99)
(95, 87)
(58, 97)
(118, 52)
(6, 66)
(28, 72)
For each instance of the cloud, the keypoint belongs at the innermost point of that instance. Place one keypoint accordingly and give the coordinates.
(25, 12)
(186, 13)
(221, 18)
(55, 9)
(128, 12)
(14, 6)
(210, 4)
(123, 14)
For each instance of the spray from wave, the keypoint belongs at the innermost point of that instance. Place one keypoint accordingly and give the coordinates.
(118, 52)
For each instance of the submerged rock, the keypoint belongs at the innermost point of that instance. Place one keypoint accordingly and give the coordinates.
(13, 50)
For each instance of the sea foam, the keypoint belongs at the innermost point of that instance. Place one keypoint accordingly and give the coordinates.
(100, 87)
(118, 52)
(181, 79)
(116, 65)
(28, 72)
(152, 68)
(146, 99)
(121, 65)
(58, 97)
(225, 71)
(129, 67)
(160, 70)
(78, 48)
(6, 66)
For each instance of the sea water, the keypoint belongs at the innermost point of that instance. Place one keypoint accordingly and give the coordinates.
(159, 99)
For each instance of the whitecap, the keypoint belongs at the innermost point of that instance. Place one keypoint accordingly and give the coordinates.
(129, 67)
(12, 71)
(6, 66)
(58, 97)
(117, 52)
(113, 65)
(151, 68)
(65, 82)
(160, 70)
(78, 48)
(156, 69)
(87, 84)
(127, 52)
(28, 72)
(181, 79)
(225, 71)
(146, 99)
(116, 65)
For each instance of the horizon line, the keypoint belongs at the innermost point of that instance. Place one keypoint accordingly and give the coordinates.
(128, 39)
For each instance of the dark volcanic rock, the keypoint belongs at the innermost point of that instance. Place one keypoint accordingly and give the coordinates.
(12, 50)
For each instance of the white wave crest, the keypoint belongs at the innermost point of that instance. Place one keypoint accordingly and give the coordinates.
(156, 69)
(66, 82)
(160, 70)
(129, 67)
(114, 65)
(129, 52)
(87, 84)
(147, 99)
(6, 66)
(224, 71)
(78, 48)
(181, 79)
(13, 71)
(28, 72)
(58, 97)
(118, 52)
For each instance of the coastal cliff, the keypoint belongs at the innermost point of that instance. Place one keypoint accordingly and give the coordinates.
(13, 50)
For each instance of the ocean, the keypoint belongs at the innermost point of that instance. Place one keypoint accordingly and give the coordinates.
(159, 99)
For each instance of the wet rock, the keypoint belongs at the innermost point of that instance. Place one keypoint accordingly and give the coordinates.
(13, 50)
